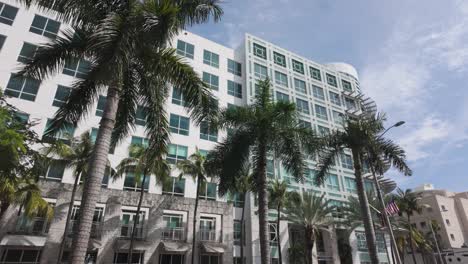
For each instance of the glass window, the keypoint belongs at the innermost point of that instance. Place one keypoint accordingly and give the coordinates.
(2, 41)
(101, 105)
(211, 58)
(176, 153)
(61, 95)
(55, 170)
(141, 115)
(211, 80)
(179, 124)
(260, 71)
(346, 86)
(177, 97)
(185, 49)
(13, 255)
(350, 185)
(281, 78)
(208, 191)
(22, 117)
(139, 141)
(45, 26)
(27, 53)
(131, 183)
(120, 258)
(315, 73)
(234, 89)
(282, 97)
(234, 67)
(64, 134)
(333, 183)
(272, 231)
(270, 168)
(236, 199)
(302, 106)
(318, 92)
(338, 117)
(7, 13)
(298, 66)
(279, 59)
(300, 86)
(23, 88)
(331, 80)
(207, 132)
(350, 105)
(259, 51)
(304, 124)
(77, 68)
(309, 176)
(323, 130)
(94, 132)
(347, 161)
(368, 185)
(335, 98)
(174, 186)
(321, 112)
(237, 232)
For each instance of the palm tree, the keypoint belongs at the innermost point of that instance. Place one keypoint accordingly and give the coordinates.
(406, 234)
(408, 203)
(195, 167)
(352, 214)
(142, 164)
(314, 214)
(362, 137)
(126, 45)
(261, 129)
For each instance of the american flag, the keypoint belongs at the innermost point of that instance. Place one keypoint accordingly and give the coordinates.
(392, 208)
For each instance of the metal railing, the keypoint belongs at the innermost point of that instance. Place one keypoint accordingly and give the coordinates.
(33, 226)
(96, 229)
(126, 231)
(176, 233)
(208, 235)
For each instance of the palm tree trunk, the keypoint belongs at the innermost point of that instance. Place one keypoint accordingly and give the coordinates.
(92, 186)
(242, 230)
(69, 213)
(280, 258)
(413, 253)
(309, 247)
(263, 203)
(195, 221)
(137, 218)
(364, 203)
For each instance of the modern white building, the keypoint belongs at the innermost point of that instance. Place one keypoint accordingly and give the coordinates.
(323, 94)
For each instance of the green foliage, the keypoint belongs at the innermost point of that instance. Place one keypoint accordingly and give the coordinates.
(311, 212)
(352, 214)
(408, 202)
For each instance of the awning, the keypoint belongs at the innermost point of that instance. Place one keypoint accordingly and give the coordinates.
(209, 248)
(174, 246)
(124, 244)
(21, 240)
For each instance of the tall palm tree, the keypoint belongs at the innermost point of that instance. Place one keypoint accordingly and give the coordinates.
(406, 234)
(408, 203)
(194, 166)
(261, 129)
(314, 214)
(126, 44)
(142, 164)
(352, 214)
(362, 136)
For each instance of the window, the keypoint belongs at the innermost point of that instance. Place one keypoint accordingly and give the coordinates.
(273, 235)
(139, 141)
(91, 256)
(259, 51)
(55, 170)
(23, 88)
(333, 183)
(369, 185)
(318, 92)
(207, 132)
(179, 124)
(64, 134)
(270, 170)
(171, 259)
(279, 59)
(338, 117)
(211, 58)
(77, 68)
(335, 98)
(304, 124)
(45, 26)
(236, 199)
(97, 217)
(234, 67)
(2, 41)
(22, 117)
(141, 115)
(237, 232)
(185, 49)
(174, 186)
(260, 71)
(347, 161)
(452, 237)
(12, 255)
(177, 97)
(321, 112)
(207, 191)
(176, 153)
(300, 86)
(350, 185)
(349, 103)
(281, 78)
(101, 105)
(27, 53)
(282, 97)
(203, 152)
(210, 259)
(315, 73)
(323, 130)
(302, 106)
(211, 80)
(127, 220)
(61, 95)
(238, 260)
(94, 132)
(298, 66)
(234, 89)
(346, 86)
(131, 183)
(309, 176)
(443, 208)
(447, 222)
(173, 220)
(122, 258)
(7, 13)
(331, 80)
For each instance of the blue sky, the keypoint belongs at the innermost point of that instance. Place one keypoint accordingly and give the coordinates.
(412, 57)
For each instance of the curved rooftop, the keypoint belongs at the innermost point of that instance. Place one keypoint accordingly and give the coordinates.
(344, 68)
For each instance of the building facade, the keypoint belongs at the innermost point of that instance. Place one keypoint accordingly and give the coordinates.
(323, 93)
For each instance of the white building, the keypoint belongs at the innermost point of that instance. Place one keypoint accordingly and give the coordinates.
(323, 94)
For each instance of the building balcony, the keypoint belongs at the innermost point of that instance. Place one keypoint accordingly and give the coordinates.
(174, 234)
(36, 226)
(127, 229)
(96, 229)
(209, 236)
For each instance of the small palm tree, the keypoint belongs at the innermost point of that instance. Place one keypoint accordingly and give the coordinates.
(362, 136)
(352, 213)
(194, 166)
(314, 214)
(142, 164)
(406, 234)
(261, 129)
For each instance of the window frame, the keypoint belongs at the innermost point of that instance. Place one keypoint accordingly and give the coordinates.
(331, 80)
(4, 19)
(44, 31)
(25, 92)
(318, 95)
(58, 102)
(300, 106)
(210, 58)
(176, 128)
(234, 89)
(185, 51)
(321, 112)
(302, 90)
(256, 48)
(279, 59)
(281, 79)
(234, 67)
(297, 66)
(211, 80)
(259, 74)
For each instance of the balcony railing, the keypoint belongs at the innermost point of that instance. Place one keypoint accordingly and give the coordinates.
(126, 231)
(38, 226)
(208, 235)
(96, 229)
(177, 233)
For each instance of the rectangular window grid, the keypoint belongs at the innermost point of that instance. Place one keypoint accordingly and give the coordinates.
(64, 134)
(177, 97)
(331, 80)
(55, 170)
(208, 191)
(349, 103)
(211, 58)
(321, 112)
(131, 183)
(279, 59)
(260, 71)
(61, 95)
(281, 78)
(259, 51)
(333, 183)
(346, 86)
(237, 232)
(335, 98)
(323, 130)
(77, 68)
(141, 115)
(139, 141)
(176, 153)
(23, 88)
(185, 49)
(101, 105)
(211, 80)
(302, 106)
(298, 66)
(179, 124)
(282, 97)
(27, 53)
(174, 186)
(318, 92)
(338, 117)
(234, 89)
(350, 185)
(315, 73)
(234, 67)
(7, 13)
(347, 161)
(207, 132)
(45, 26)
(300, 86)
(19, 255)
